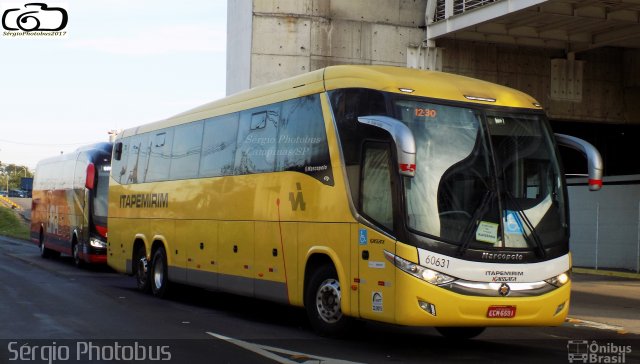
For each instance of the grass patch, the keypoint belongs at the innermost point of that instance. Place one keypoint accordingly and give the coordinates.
(13, 225)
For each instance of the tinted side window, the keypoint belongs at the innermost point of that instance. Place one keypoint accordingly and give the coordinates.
(257, 140)
(134, 158)
(160, 156)
(119, 167)
(348, 105)
(185, 156)
(219, 146)
(302, 140)
(376, 186)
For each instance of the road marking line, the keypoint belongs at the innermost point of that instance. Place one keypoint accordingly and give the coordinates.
(280, 355)
(596, 325)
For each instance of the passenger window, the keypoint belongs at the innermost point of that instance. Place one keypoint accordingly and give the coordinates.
(257, 140)
(185, 156)
(376, 189)
(160, 156)
(302, 140)
(219, 146)
(136, 152)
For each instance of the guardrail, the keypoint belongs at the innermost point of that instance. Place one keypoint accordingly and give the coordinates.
(447, 8)
(8, 202)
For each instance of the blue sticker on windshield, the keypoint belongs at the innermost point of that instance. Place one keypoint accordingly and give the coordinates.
(363, 237)
(512, 223)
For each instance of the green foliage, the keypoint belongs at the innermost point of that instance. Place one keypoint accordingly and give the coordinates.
(13, 225)
(14, 172)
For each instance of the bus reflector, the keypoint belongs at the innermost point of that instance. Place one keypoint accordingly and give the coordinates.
(501, 311)
(91, 176)
(595, 184)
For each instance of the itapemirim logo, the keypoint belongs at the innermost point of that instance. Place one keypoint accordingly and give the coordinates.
(34, 19)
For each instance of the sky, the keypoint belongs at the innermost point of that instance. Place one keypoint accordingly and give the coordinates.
(122, 63)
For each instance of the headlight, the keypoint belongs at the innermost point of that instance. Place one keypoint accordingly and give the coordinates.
(97, 243)
(559, 280)
(418, 271)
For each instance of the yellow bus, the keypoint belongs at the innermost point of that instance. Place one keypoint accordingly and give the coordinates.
(374, 192)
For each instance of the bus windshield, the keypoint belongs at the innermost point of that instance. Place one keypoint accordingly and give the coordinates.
(483, 179)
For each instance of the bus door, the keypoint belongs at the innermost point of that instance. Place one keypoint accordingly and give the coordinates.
(375, 273)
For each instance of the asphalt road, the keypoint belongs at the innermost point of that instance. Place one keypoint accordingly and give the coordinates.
(50, 308)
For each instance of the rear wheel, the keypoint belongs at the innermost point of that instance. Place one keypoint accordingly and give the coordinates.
(460, 333)
(76, 255)
(46, 252)
(323, 299)
(159, 277)
(141, 266)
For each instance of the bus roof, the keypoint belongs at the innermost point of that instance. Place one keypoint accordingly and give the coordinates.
(437, 85)
(92, 150)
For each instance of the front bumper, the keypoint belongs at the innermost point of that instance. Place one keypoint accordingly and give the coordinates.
(455, 309)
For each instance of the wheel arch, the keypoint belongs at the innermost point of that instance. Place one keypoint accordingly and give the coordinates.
(159, 242)
(138, 242)
(321, 256)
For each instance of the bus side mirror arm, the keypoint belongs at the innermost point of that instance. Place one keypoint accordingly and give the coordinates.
(594, 159)
(402, 137)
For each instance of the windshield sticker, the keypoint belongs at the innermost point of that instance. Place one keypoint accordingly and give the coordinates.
(512, 223)
(376, 301)
(363, 237)
(487, 232)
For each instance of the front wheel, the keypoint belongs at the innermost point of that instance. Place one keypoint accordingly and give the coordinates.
(323, 299)
(460, 333)
(159, 276)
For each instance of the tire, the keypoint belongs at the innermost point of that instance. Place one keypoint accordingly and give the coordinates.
(141, 269)
(460, 333)
(159, 278)
(46, 252)
(75, 253)
(323, 298)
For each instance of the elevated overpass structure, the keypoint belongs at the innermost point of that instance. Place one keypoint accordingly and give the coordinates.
(570, 25)
(579, 58)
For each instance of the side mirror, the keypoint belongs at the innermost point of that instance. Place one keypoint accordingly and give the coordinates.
(594, 159)
(403, 138)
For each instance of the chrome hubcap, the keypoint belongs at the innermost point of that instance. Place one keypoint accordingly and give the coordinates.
(142, 269)
(328, 301)
(158, 273)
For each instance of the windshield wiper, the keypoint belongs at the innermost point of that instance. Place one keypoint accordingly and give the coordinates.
(473, 223)
(534, 235)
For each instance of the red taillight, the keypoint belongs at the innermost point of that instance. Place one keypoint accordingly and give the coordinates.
(102, 230)
(91, 176)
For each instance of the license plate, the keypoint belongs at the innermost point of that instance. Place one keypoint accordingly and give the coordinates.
(501, 311)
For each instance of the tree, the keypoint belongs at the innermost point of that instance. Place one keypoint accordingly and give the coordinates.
(14, 173)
